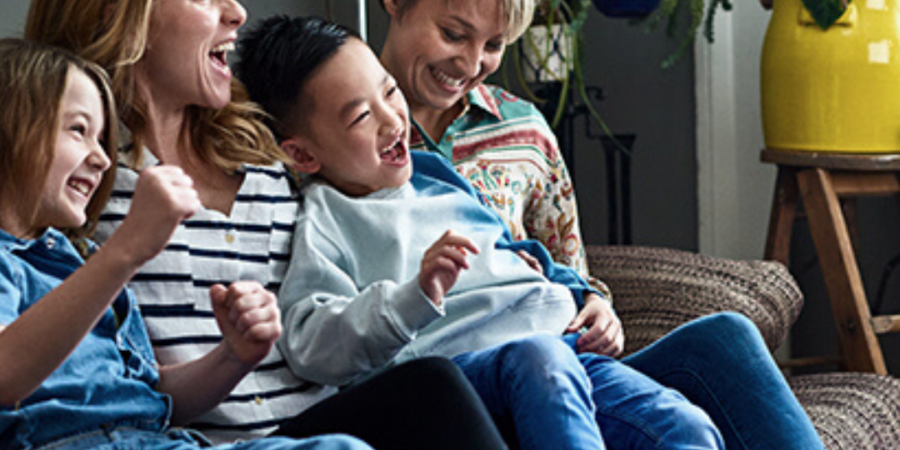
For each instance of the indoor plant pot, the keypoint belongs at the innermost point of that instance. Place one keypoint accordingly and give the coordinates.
(834, 89)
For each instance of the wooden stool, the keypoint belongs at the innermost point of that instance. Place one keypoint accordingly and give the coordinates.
(822, 179)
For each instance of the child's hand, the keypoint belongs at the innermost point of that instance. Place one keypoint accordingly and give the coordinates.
(249, 319)
(442, 263)
(163, 197)
(604, 333)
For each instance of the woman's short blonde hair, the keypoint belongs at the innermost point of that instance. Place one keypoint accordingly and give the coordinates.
(519, 14)
(33, 80)
(113, 33)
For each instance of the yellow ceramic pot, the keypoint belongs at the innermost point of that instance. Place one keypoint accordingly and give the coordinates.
(836, 90)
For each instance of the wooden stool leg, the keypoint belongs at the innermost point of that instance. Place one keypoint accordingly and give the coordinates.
(781, 222)
(859, 344)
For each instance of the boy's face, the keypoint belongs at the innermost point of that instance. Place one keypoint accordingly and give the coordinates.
(79, 160)
(357, 134)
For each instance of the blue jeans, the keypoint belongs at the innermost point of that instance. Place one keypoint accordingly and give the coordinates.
(558, 399)
(721, 364)
(133, 439)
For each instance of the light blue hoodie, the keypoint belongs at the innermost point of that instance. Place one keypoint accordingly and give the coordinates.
(351, 300)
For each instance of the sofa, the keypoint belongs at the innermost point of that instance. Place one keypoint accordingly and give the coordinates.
(657, 289)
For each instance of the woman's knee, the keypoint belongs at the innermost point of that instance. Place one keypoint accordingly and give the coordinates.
(729, 322)
(728, 332)
(438, 370)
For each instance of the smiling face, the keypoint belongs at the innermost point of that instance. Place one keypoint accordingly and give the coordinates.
(185, 59)
(441, 49)
(356, 136)
(79, 159)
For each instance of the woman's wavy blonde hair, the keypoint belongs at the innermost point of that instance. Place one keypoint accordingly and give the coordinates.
(33, 80)
(113, 33)
(519, 14)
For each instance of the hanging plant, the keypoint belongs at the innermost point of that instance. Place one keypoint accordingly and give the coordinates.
(699, 14)
(826, 12)
(551, 51)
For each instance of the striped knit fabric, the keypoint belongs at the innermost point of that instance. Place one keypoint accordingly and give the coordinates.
(505, 148)
(253, 243)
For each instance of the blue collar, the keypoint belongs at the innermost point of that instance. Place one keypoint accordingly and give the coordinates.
(10, 243)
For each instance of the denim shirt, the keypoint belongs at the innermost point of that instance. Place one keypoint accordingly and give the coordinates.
(109, 378)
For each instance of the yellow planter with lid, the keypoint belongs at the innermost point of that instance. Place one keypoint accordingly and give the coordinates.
(832, 90)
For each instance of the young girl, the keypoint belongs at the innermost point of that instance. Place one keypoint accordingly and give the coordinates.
(76, 367)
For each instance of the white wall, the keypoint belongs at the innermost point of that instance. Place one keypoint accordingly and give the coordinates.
(734, 187)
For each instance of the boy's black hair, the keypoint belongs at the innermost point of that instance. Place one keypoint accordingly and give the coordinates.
(278, 56)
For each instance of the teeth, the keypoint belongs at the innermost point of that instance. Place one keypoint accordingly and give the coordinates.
(392, 145)
(81, 187)
(447, 79)
(223, 48)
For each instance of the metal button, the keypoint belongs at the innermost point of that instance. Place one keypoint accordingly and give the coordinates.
(229, 238)
(51, 243)
(258, 400)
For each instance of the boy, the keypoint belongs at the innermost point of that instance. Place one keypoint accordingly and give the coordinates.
(377, 277)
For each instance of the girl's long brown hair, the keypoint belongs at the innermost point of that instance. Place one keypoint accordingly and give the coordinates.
(33, 80)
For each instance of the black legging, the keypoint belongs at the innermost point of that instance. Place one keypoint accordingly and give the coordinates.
(422, 404)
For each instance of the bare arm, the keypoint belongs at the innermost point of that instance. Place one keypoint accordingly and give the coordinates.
(72, 309)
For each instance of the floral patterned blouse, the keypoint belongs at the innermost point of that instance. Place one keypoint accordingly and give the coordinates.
(505, 148)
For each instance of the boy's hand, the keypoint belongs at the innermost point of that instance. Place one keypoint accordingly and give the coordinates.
(163, 197)
(249, 319)
(604, 335)
(442, 264)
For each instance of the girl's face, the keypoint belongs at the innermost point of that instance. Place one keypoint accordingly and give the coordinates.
(185, 60)
(358, 132)
(79, 159)
(439, 50)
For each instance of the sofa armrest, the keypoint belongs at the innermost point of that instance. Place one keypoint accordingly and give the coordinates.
(657, 289)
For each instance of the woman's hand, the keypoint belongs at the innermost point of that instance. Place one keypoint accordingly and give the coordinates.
(604, 333)
(531, 261)
(249, 319)
(442, 263)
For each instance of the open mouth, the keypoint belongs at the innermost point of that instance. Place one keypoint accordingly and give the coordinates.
(445, 78)
(219, 53)
(396, 151)
(82, 186)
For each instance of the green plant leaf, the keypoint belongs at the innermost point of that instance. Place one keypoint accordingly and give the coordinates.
(826, 12)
